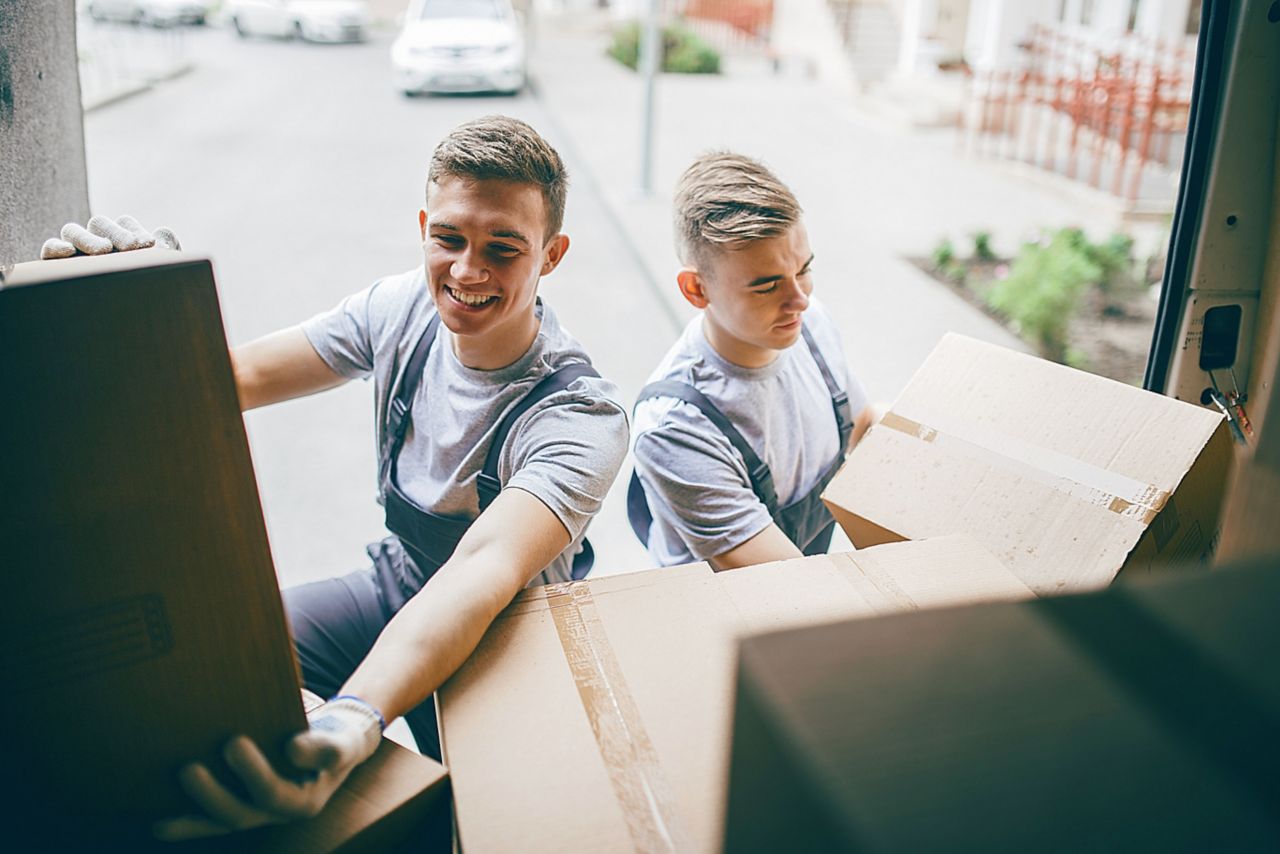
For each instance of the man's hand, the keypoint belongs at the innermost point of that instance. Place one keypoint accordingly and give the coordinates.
(343, 733)
(104, 235)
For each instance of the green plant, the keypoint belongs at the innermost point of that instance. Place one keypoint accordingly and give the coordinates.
(943, 254)
(982, 246)
(1041, 293)
(683, 52)
(1118, 282)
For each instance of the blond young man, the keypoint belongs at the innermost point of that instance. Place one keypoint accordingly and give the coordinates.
(497, 444)
(750, 413)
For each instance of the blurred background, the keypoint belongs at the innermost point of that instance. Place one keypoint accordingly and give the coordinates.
(1002, 169)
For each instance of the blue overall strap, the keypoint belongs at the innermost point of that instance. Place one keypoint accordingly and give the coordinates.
(638, 513)
(757, 470)
(487, 484)
(839, 397)
(398, 410)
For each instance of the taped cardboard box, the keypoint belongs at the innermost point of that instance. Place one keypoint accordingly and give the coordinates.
(1066, 477)
(594, 716)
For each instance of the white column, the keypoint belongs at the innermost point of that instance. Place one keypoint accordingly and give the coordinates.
(909, 45)
(1165, 20)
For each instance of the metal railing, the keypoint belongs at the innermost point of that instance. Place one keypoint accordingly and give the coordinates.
(1103, 113)
(726, 24)
(119, 58)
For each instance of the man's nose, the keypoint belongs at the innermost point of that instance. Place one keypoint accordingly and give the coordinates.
(797, 294)
(468, 268)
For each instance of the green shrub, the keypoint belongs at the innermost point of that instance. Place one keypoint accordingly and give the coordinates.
(683, 52)
(943, 254)
(690, 55)
(1118, 282)
(982, 246)
(1042, 291)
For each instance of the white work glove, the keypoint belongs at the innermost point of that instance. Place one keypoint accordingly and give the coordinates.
(104, 235)
(343, 733)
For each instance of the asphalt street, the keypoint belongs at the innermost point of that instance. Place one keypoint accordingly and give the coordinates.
(299, 171)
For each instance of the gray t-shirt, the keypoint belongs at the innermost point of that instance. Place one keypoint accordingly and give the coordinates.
(566, 450)
(695, 482)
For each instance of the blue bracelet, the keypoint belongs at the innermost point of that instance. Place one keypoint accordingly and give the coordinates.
(382, 722)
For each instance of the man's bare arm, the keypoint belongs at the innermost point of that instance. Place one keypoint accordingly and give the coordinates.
(435, 632)
(278, 367)
(870, 414)
(765, 547)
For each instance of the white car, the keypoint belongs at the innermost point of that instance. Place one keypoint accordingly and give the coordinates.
(459, 46)
(310, 20)
(157, 13)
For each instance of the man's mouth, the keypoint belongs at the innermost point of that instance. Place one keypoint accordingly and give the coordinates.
(469, 300)
(788, 324)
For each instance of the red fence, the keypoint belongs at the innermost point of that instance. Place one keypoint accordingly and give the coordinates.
(727, 24)
(1096, 114)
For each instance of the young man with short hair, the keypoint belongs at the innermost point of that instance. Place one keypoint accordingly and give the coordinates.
(497, 444)
(750, 413)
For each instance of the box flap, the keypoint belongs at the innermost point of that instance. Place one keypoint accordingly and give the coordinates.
(1056, 471)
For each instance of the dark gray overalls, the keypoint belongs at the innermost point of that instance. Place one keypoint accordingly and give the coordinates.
(806, 521)
(335, 621)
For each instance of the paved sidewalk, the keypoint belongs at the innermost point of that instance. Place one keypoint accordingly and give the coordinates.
(874, 194)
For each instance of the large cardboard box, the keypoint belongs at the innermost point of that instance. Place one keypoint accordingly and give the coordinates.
(594, 715)
(141, 623)
(1139, 718)
(1066, 477)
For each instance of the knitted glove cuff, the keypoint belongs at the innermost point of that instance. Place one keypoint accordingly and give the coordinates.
(356, 711)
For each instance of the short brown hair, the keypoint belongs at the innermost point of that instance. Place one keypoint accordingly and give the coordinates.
(505, 149)
(725, 200)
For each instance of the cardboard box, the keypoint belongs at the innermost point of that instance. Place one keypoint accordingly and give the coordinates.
(594, 715)
(1140, 718)
(1066, 477)
(142, 623)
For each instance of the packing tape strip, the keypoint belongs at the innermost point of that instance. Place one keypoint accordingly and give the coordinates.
(1088, 483)
(870, 569)
(629, 756)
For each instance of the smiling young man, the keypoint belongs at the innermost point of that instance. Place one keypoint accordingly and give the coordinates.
(750, 413)
(497, 443)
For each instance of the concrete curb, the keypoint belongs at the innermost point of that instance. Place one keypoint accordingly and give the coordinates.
(120, 93)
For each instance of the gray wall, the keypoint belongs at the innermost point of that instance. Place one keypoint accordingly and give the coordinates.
(42, 171)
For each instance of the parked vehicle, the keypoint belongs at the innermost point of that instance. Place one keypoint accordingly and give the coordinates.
(309, 20)
(459, 46)
(157, 13)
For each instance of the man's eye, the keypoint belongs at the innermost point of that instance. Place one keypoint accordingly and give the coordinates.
(502, 249)
(768, 290)
(447, 239)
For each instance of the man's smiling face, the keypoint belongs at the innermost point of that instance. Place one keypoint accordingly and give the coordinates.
(486, 248)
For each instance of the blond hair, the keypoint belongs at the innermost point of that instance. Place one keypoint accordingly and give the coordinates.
(505, 149)
(725, 200)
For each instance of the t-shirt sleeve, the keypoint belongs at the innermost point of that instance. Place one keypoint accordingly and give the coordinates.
(566, 452)
(697, 484)
(347, 336)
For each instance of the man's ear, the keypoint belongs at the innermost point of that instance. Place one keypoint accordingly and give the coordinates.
(422, 223)
(554, 253)
(690, 282)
